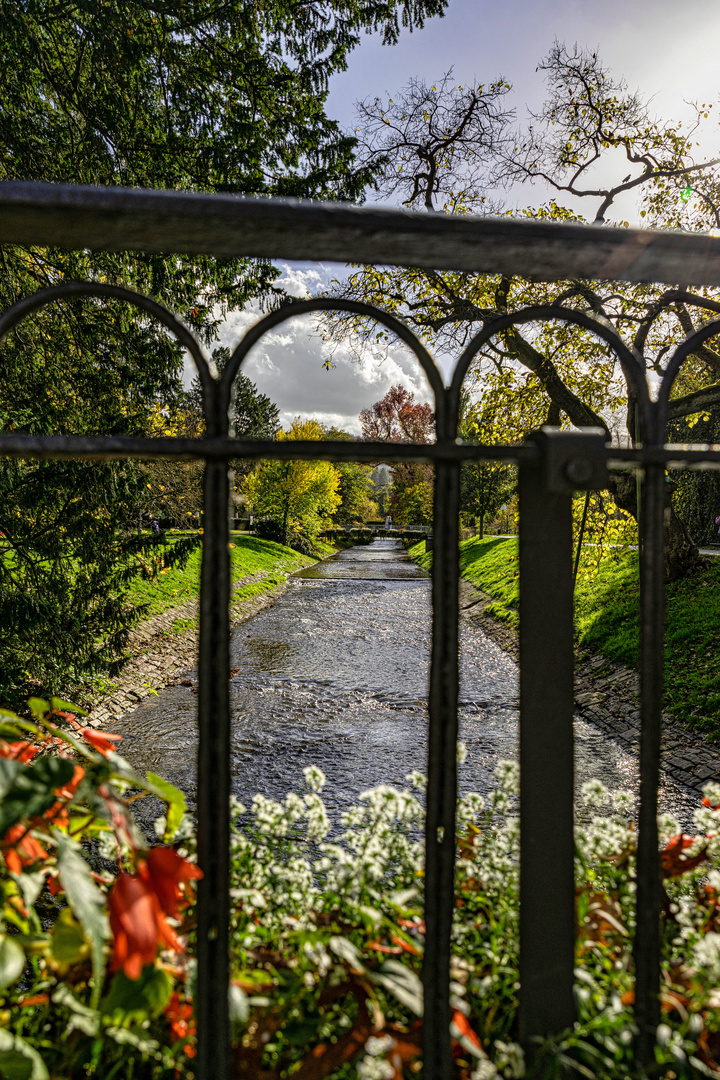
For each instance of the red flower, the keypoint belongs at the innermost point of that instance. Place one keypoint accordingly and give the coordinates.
(138, 925)
(138, 906)
(19, 751)
(168, 872)
(68, 790)
(22, 849)
(182, 1022)
(102, 741)
(57, 814)
(34, 999)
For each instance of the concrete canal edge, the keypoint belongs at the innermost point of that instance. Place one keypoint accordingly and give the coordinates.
(607, 696)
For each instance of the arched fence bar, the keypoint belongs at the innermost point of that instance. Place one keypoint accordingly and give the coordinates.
(553, 464)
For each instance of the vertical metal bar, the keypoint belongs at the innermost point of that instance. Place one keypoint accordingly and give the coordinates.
(547, 915)
(442, 772)
(213, 945)
(652, 635)
(578, 553)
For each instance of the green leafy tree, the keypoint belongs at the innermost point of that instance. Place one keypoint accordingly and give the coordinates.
(355, 488)
(381, 483)
(451, 148)
(252, 416)
(197, 96)
(299, 497)
(484, 486)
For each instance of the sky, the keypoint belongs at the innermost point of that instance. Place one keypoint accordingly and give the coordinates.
(666, 49)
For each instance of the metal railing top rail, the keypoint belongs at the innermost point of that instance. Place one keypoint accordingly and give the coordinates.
(110, 447)
(114, 219)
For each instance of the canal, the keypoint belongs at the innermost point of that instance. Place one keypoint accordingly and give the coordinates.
(335, 674)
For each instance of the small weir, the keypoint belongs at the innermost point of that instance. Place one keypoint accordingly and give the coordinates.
(335, 674)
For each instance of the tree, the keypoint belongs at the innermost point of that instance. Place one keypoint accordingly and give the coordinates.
(355, 485)
(398, 418)
(204, 95)
(551, 372)
(484, 486)
(175, 488)
(381, 480)
(299, 497)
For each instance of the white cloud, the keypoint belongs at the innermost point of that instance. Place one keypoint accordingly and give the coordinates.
(287, 362)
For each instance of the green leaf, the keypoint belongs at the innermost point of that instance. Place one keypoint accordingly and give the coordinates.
(30, 886)
(10, 732)
(33, 789)
(9, 771)
(176, 804)
(12, 961)
(10, 715)
(66, 706)
(141, 998)
(69, 944)
(87, 902)
(18, 1060)
(38, 706)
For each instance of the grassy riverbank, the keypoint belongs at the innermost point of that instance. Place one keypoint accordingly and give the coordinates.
(249, 555)
(606, 619)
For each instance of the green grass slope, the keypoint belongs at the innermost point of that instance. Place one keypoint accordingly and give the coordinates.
(606, 619)
(249, 555)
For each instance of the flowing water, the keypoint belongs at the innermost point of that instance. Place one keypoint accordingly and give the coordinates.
(335, 674)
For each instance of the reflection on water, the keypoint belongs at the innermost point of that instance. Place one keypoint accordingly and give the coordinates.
(336, 673)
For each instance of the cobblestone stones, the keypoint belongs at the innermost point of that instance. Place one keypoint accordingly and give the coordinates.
(607, 695)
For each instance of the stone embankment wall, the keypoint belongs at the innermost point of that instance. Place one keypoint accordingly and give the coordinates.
(607, 695)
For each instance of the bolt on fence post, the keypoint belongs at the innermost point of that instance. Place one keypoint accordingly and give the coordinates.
(547, 889)
(652, 661)
(442, 773)
(213, 930)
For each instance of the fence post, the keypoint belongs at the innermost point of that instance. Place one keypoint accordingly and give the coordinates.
(646, 951)
(213, 931)
(569, 460)
(442, 770)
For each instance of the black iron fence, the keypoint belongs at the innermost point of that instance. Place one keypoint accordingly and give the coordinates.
(553, 465)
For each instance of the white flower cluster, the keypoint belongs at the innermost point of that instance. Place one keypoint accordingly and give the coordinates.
(509, 1062)
(604, 838)
(289, 869)
(373, 1065)
(706, 953)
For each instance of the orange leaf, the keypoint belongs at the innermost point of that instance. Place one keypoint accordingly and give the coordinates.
(405, 945)
(672, 859)
(461, 1023)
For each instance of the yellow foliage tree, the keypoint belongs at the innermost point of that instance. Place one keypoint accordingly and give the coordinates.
(298, 497)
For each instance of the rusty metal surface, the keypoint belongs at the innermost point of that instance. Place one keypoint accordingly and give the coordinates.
(127, 219)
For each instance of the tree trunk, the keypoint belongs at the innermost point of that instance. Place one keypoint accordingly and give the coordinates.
(682, 558)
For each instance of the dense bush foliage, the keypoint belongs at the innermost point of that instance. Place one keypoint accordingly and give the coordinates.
(327, 927)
